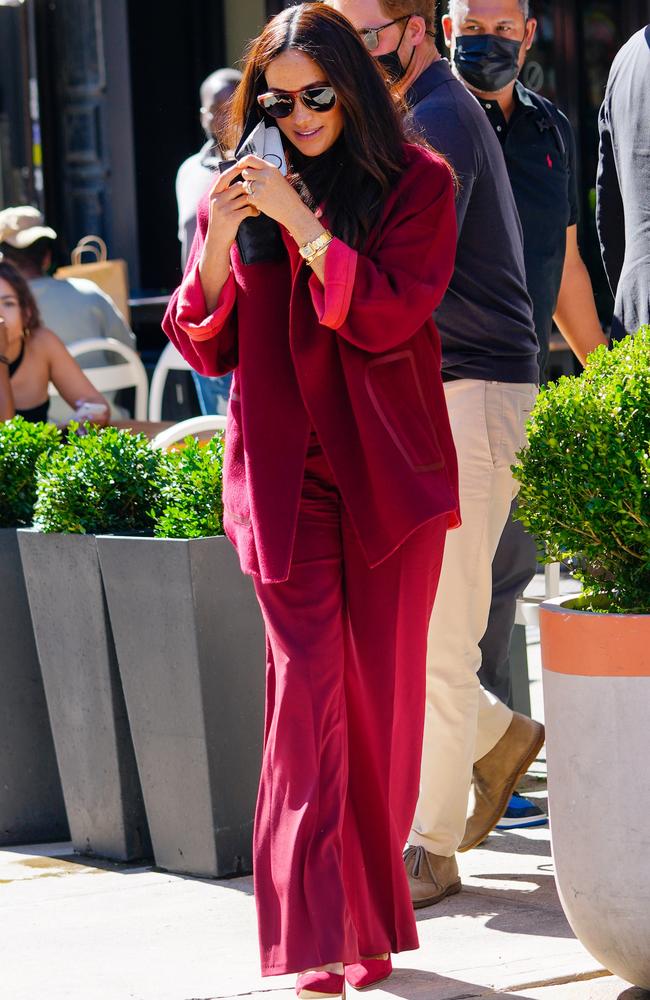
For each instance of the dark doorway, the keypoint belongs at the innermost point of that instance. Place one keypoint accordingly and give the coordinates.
(171, 53)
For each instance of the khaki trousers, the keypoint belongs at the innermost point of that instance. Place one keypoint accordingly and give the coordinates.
(463, 722)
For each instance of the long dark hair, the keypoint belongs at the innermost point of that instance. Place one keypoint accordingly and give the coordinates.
(353, 178)
(26, 301)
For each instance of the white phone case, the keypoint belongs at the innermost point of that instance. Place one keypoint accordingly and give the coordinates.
(265, 141)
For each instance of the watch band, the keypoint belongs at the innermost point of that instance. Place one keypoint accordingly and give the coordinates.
(310, 251)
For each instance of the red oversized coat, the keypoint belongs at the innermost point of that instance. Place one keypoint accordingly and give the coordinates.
(357, 360)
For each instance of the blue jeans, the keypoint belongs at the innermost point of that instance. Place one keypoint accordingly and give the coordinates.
(212, 393)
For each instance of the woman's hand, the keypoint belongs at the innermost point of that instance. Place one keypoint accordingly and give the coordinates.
(91, 411)
(270, 192)
(229, 206)
(7, 410)
(4, 338)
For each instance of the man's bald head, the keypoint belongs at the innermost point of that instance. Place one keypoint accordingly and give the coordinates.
(216, 92)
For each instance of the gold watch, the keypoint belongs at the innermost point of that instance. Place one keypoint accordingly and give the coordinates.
(310, 251)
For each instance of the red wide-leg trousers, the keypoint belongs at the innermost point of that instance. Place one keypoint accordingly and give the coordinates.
(346, 651)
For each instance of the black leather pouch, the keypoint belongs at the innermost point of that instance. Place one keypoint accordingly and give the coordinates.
(258, 240)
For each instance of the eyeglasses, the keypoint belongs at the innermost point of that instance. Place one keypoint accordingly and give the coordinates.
(370, 37)
(280, 103)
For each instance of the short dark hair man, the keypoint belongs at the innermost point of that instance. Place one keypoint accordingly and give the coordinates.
(195, 177)
(623, 207)
(491, 372)
(489, 41)
(196, 174)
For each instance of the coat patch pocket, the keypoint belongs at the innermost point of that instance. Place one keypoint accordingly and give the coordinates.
(396, 392)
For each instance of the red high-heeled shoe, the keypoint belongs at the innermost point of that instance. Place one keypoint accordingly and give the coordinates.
(368, 972)
(320, 986)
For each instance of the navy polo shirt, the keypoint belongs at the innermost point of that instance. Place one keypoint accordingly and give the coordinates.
(485, 319)
(540, 153)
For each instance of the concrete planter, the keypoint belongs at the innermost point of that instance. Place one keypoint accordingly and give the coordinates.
(596, 698)
(190, 642)
(31, 800)
(84, 695)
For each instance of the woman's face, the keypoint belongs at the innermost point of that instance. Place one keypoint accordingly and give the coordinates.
(312, 132)
(10, 312)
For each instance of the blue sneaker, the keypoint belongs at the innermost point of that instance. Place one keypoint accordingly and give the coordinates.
(521, 813)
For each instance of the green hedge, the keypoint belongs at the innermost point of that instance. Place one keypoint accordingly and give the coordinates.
(585, 478)
(105, 481)
(190, 504)
(110, 481)
(21, 445)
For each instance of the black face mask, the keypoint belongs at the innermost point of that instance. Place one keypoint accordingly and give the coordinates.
(488, 63)
(392, 63)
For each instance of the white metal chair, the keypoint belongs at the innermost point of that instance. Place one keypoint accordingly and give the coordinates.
(169, 360)
(195, 425)
(128, 374)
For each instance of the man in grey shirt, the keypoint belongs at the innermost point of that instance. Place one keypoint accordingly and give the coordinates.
(197, 174)
(194, 179)
(73, 308)
(489, 364)
(623, 207)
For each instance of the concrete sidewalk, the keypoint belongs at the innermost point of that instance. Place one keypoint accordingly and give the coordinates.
(78, 929)
(74, 929)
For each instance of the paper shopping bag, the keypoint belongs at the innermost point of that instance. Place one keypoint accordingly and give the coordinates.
(111, 276)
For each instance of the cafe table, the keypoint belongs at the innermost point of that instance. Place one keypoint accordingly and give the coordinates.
(150, 428)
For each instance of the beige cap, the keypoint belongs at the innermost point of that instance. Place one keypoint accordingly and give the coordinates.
(22, 226)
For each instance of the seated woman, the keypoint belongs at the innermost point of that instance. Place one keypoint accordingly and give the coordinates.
(31, 357)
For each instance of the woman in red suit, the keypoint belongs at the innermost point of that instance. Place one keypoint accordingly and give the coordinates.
(340, 480)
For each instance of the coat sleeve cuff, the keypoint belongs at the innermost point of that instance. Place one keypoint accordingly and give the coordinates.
(332, 301)
(191, 307)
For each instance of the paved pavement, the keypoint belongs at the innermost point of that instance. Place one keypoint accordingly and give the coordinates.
(77, 929)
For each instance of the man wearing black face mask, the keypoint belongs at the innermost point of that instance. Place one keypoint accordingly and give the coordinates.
(489, 40)
(490, 369)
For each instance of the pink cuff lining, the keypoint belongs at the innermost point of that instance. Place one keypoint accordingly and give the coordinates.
(332, 302)
(191, 306)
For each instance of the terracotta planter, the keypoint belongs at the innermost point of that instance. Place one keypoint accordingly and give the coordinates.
(596, 700)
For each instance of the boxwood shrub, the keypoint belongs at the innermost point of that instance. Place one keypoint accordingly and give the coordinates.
(21, 445)
(104, 482)
(111, 481)
(585, 478)
(190, 503)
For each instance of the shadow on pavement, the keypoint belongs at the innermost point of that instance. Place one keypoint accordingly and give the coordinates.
(514, 843)
(414, 984)
(536, 912)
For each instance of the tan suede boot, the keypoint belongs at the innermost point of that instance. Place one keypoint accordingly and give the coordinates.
(496, 774)
(431, 877)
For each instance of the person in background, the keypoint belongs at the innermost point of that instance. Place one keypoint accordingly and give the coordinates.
(195, 176)
(337, 495)
(490, 370)
(489, 41)
(623, 185)
(31, 357)
(75, 308)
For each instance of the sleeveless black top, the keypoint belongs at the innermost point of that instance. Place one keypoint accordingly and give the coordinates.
(35, 414)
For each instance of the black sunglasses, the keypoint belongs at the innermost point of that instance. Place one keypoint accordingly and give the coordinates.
(280, 103)
(370, 37)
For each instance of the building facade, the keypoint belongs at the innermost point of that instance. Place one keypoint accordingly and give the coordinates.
(99, 106)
